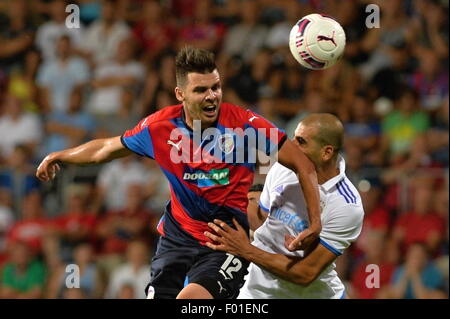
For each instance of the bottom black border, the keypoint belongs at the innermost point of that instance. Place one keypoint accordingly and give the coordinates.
(229, 309)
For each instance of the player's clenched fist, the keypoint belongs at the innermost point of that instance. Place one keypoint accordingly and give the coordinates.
(48, 168)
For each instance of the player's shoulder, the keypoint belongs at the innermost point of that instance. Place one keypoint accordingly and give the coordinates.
(346, 199)
(232, 114)
(161, 117)
(167, 113)
(236, 116)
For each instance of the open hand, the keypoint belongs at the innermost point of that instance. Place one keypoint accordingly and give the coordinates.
(233, 241)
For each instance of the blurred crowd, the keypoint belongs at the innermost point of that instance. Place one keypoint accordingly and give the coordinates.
(62, 86)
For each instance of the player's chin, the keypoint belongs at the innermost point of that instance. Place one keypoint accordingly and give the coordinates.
(209, 119)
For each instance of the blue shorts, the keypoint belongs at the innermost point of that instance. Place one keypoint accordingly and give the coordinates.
(173, 265)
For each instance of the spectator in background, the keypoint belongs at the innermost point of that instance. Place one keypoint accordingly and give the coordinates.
(293, 85)
(91, 284)
(376, 216)
(441, 208)
(378, 42)
(201, 31)
(134, 272)
(351, 15)
(59, 77)
(374, 254)
(32, 227)
(114, 87)
(430, 81)
(160, 80)
(362, 130)
(254, 80)
(339, 85)
(75, 225)
(278, 35)
(104, 35)
(154, 31)
(22, 276)
(48, 33)
(22, 82)
(116, 229)
(183, 9)
(417, 277)
(16, 35)
(266, 105)
(6, 221)
(420, 224)
(389, 81)
(158, 191)
(402, 126)
(291, 89)
(245, 38)
(115, 178)
(67, 129)
(437, 136)
(18, 178)
(360, 170)
(430, 27)
(18, 127)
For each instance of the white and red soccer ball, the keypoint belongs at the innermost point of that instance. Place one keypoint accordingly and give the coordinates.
(317, 41)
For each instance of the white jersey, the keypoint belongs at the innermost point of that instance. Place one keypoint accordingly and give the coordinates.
(282, 197)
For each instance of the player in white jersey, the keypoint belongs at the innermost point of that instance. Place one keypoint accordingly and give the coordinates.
(279, 268)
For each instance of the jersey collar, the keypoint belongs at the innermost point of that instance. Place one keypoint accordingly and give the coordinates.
(183, 119)
(333, 181)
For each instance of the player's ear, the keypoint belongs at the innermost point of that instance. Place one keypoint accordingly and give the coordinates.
(179, 94)
(327, 152)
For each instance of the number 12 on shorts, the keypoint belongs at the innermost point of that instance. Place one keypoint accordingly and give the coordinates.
(232, 264)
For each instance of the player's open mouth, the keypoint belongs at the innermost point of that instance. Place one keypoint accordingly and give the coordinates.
(210, 110)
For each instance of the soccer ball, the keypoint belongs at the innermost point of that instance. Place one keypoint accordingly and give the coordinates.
(317, 41)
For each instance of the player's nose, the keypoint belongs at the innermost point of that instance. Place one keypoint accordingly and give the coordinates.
(210, 95)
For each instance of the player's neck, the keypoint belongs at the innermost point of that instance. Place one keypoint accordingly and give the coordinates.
(189, 122)
(326, 172)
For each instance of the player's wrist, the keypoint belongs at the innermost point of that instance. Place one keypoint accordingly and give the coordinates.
(315, 228)
(250, 253)
(54, 157)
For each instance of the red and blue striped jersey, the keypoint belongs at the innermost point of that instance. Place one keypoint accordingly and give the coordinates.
(209, 171)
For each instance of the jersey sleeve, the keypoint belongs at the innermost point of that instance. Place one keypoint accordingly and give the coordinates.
(139, 139)
(269, 137)
(273, 188)
(342, 227)
(264, 199)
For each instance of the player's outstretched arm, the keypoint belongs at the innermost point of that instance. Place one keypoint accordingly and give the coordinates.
(293, 158)
(301, 271)
(93, 152)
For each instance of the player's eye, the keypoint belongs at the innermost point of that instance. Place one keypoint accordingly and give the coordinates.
(300, 140)
(200, 89)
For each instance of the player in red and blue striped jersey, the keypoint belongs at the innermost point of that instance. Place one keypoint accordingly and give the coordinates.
(206, 149)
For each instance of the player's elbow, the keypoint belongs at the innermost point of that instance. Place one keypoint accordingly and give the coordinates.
(305, 277)
(98, 158)
(103, 150)
(303, 280)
